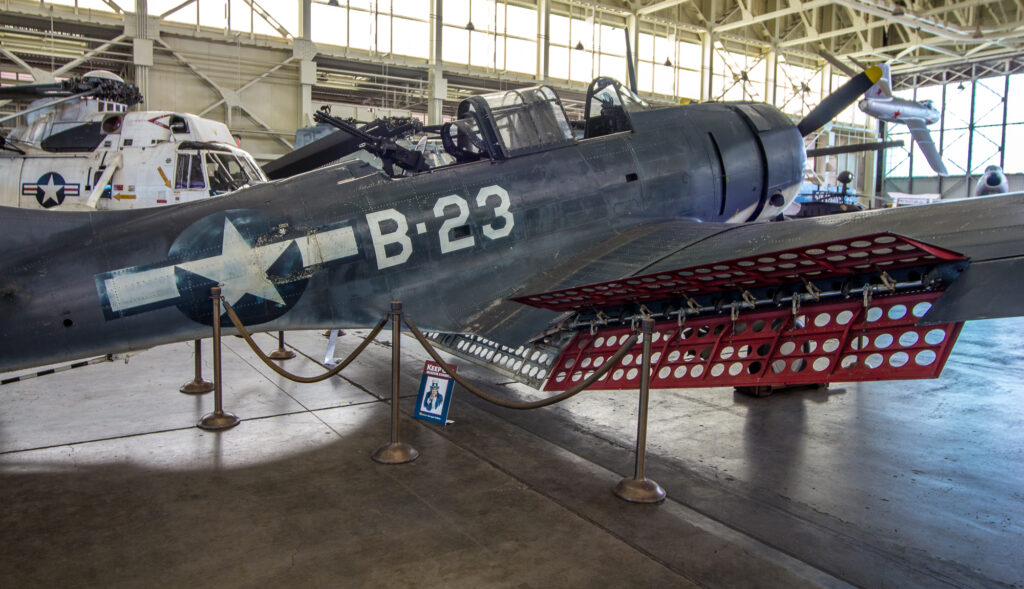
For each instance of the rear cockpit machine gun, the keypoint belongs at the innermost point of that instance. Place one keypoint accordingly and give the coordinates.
(381, 139)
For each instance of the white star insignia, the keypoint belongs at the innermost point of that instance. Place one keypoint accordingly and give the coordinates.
(241, 268)
(50, 191)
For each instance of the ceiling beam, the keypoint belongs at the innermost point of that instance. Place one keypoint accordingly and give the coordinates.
(652, 8)
(795, 7)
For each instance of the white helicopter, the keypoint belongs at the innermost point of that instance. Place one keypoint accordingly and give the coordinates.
(80, 148)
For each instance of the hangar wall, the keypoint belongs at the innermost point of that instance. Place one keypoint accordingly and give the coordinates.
(263, 72)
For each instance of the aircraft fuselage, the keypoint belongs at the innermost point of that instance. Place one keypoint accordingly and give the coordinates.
(898, 110)
(332, 247)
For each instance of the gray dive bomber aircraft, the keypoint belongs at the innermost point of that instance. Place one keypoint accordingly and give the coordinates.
(534, 238)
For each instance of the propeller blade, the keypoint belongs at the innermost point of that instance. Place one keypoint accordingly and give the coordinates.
(837, 102)
(853, 148)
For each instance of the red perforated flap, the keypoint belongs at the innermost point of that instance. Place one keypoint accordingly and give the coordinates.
(844, 257)
(839, 341)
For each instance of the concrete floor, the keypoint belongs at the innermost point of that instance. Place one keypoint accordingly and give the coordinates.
(104, 481)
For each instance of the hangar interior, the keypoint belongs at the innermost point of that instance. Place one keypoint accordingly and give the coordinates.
(264, 70)
(106, 482)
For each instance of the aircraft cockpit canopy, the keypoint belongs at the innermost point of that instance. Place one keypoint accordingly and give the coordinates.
(608, 105)
(507, 124)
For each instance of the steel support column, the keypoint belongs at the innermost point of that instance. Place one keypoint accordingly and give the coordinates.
(543, 38)
(142, 46)
(437, 86)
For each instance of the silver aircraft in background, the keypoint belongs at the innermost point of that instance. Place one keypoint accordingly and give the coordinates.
(879, 102)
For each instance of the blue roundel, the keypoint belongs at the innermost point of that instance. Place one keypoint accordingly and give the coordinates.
(250, 254)
(51, 189)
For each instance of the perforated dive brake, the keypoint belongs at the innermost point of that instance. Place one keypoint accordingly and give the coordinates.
(845, 310)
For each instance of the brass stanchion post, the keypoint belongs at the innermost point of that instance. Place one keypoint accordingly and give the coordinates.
(395, 452)
(219, 419)
(197, 386)
(280, 353)
(640, 489)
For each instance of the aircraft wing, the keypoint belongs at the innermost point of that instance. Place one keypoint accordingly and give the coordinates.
(925, 269)
(923, 138)
(984, 241)
(627, 253)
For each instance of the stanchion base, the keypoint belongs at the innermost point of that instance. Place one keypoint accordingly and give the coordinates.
(395, 453)
(196, 387)
(281, 354)
(639, 491)
(218, 420)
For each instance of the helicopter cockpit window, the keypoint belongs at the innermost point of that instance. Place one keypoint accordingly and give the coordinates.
(607, 107)
(225, 173)
(189, 174)
(253, 172)
(177, 124)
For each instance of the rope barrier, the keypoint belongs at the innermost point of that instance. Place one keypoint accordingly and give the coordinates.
(520, 405)
(294, 377)
(612, 362)
(637, 489)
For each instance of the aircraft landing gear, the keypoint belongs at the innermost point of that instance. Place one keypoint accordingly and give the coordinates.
(756, 391)
(769, 390)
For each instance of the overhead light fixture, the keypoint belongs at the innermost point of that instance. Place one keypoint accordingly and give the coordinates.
(668, 63)
(961, 86)
(579, 45)
(333, 3)
(470, 27)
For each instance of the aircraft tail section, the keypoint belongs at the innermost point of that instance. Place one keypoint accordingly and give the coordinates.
(882, 89)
